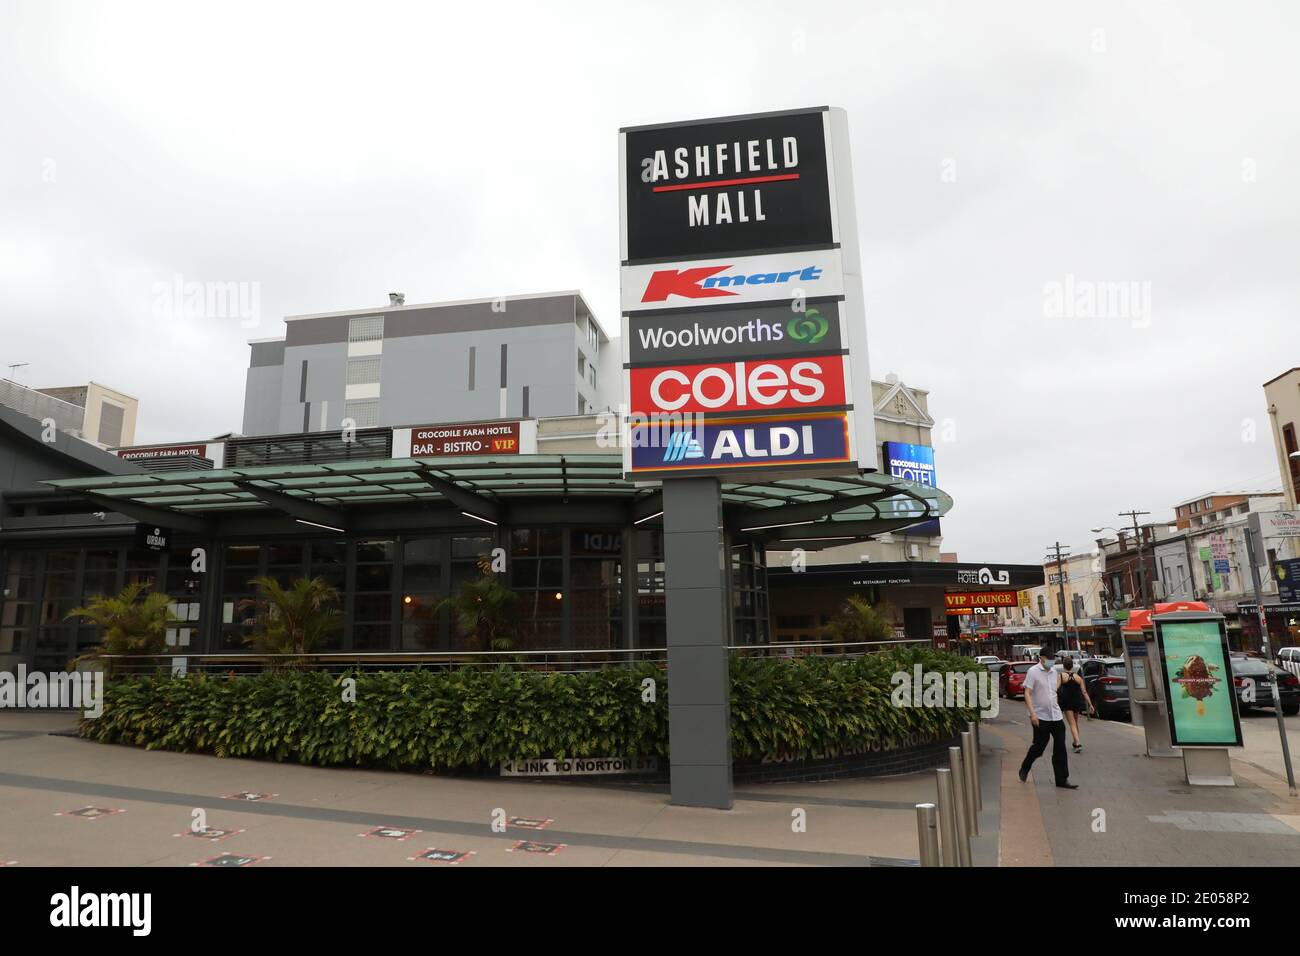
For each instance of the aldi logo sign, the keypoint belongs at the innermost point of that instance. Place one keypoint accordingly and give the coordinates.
(722, 443)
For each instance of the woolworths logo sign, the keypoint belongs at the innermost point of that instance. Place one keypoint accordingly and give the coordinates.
(809, 327)
(751, 332)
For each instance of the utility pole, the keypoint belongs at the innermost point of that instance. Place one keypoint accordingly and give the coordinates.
(1251, 530)
(1142, 565)
(1060, 584)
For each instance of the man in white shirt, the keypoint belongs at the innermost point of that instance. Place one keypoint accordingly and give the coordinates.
(1045, 714)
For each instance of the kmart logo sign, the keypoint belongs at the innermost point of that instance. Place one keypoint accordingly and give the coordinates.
(738, 280)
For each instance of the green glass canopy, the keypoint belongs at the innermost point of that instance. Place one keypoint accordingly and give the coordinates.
(485, 487)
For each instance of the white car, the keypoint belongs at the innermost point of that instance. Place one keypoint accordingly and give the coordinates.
(987, 659)
(1288, 658)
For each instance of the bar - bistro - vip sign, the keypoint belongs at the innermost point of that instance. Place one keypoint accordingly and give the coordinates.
(744, 336)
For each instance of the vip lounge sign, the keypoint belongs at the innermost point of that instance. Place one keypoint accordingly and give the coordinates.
(741, 296)
(977, 602)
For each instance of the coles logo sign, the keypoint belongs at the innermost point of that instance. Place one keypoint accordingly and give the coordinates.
(740, 386)
(783, 276)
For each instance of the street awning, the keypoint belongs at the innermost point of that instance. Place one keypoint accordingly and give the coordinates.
(484, 487)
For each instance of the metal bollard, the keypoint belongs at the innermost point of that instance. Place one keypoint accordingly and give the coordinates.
(947, 814)
(927, 834)
(975, 759)
(969, 766)
(960, 805)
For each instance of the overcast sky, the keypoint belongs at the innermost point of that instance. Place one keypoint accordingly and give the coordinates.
(330, 153)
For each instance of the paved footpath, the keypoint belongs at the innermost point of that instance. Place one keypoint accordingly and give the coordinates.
(1130, 810)
(1135, 810)
(315, 816)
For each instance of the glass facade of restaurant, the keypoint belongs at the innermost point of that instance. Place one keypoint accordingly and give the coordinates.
(579, 587)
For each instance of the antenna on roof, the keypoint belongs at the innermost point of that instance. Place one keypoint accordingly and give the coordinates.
(16, 365)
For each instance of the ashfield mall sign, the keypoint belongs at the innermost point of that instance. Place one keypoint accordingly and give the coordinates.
(740, 184)
(742, 296)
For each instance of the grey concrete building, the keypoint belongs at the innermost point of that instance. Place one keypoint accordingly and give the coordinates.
(524, 356)
(92, 412)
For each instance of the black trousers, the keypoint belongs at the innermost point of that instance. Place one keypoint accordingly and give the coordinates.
(1060, 762)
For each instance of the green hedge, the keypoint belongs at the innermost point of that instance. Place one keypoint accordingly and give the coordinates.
(458, 720)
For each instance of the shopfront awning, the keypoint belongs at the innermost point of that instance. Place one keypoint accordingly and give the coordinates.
(329, 494)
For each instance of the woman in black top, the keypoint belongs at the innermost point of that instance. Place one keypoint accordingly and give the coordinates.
(1072, 695)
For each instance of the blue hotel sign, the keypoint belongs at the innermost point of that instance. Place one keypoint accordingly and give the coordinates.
(913, 463)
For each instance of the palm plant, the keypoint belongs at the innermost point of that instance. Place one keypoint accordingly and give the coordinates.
(133, 622)
(484, 608)
(293, 620)
(859, 621)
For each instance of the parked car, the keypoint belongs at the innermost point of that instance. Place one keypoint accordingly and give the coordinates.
(1107, 683)
(1254, 679)
(987, 659)
(1011, 679)
(1288, 658)
(994, 664)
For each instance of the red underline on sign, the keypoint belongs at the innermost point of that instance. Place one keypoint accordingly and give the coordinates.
(727, 182)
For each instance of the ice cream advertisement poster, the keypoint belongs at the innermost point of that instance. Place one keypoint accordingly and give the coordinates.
(1198, 683)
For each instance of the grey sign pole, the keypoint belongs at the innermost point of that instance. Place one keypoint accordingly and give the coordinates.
(699, 629)
(1252, 529)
